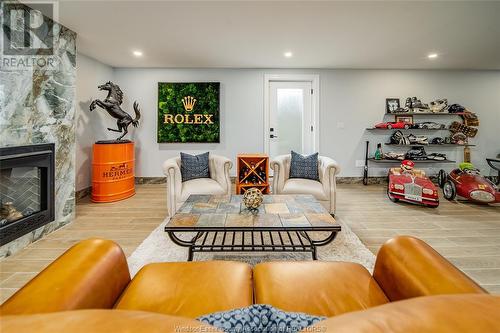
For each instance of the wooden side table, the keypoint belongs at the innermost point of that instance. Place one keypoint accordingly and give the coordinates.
(252, 171)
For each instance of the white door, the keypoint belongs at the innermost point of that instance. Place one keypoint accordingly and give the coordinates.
(291, 121)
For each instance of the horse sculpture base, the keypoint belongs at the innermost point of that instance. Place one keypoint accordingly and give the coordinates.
(100, 142)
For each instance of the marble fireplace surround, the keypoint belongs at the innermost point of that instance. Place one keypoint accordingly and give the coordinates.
(38, 106)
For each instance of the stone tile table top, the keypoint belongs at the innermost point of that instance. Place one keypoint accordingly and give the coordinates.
(227, 212)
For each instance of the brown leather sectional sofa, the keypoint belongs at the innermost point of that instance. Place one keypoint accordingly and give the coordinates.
(413, 289)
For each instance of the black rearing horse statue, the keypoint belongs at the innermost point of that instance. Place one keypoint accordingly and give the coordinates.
(112, 105)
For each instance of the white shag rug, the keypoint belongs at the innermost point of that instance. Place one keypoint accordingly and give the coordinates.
(158, 247)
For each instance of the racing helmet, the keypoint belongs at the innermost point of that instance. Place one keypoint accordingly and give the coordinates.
(407, 165)
(467, 166)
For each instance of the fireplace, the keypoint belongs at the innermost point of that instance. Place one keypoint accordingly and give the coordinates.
(26, 189)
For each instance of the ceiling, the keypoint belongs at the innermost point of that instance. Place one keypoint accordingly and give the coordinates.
(255, 34)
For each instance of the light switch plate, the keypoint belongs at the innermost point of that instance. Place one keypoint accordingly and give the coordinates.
(360, 163)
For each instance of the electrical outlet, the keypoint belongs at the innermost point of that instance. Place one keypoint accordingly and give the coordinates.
(360, 163)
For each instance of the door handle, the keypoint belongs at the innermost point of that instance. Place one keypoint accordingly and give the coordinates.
(272, 136)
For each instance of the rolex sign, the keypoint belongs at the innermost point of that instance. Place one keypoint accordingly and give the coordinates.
(188, 112)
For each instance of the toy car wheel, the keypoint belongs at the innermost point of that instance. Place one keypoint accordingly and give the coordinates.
(442, 178)
(449, 190)
(389, 126)
(391, 197)
(407, 126)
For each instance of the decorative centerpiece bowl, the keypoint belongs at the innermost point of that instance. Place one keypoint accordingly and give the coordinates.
(253, 198)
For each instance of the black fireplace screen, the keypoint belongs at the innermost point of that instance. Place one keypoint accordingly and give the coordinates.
(26, 189)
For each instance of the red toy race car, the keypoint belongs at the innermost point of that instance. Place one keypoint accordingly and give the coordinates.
(392, 124)
(467, 183)
(410, 185)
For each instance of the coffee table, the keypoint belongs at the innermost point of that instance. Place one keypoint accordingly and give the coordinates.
(221, 223)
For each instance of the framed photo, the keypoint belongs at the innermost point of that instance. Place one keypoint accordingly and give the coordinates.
(405, 119)
(391, 104)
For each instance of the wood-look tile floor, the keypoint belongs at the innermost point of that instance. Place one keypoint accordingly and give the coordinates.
(467, 234)
(127, 222)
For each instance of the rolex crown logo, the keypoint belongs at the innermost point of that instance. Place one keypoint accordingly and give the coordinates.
(188, 102)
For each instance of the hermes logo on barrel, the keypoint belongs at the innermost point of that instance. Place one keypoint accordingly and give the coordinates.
(188, 112)
(119, 171)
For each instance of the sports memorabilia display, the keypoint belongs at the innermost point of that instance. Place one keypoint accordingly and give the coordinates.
(452, 133)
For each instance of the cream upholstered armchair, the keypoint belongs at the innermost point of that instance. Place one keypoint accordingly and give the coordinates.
(178, 191)
(324, 191)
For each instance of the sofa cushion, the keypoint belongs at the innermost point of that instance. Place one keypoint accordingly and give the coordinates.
(101, 321)
(430, 314)
(317, 288)
(200, 186)
(189, 289)
(194, 166)
(304, 166)
(304, 186)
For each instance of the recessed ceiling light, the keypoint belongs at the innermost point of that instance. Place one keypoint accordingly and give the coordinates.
(137, 53)
(288, 54)
(432, 55)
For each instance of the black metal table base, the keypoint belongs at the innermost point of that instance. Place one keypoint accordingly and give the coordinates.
(252, 241)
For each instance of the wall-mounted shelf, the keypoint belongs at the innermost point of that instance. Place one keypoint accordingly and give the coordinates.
(386, 163)
(409, 129)
(424, 114)
(429, 145)
(416, 161)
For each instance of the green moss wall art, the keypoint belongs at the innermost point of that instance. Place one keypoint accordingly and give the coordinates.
(188, 112)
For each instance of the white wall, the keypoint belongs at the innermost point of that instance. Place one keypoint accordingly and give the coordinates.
(355, 98)
(89, 126)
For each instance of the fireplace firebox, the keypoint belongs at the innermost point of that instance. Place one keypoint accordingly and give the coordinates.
(26, 189)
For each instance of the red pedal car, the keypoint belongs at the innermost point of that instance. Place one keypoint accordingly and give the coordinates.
(392, 124)
(410, 185)
(467, 183)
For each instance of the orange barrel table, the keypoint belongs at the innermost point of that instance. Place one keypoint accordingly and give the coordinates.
(113, 171)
